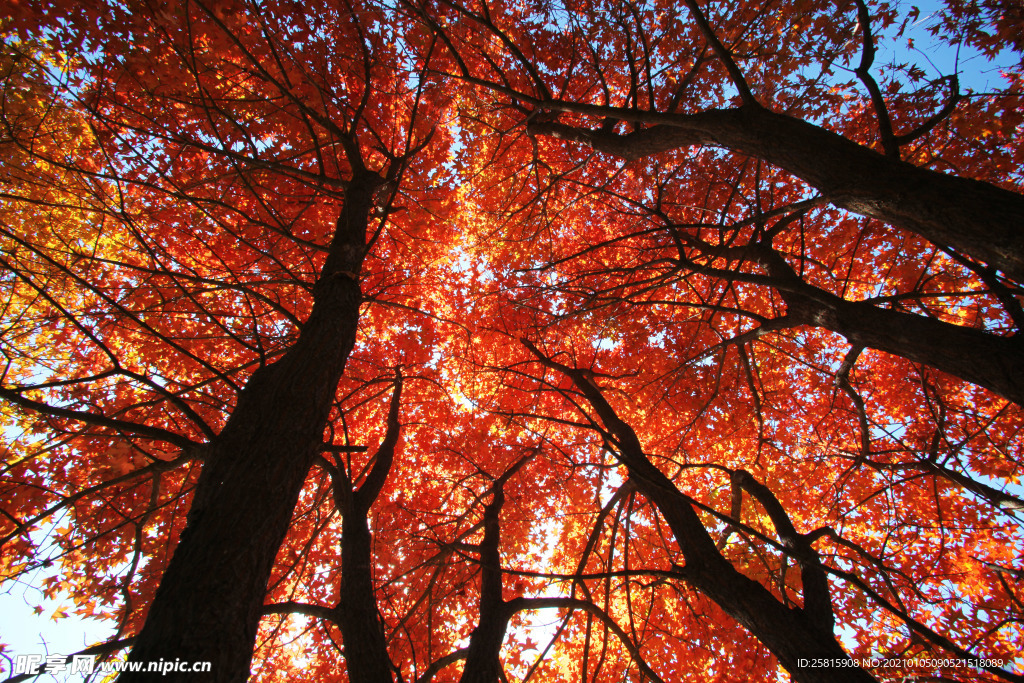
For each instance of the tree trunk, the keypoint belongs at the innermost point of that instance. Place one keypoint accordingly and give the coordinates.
(975, 218)
(990, 361)
(362, 634)
(483, 663)
(357, 616)
(210, 599)
(796, 636)
(979, 357)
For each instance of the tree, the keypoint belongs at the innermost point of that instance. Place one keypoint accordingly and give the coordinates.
(183, 160)
(353, 336)
(681, 285)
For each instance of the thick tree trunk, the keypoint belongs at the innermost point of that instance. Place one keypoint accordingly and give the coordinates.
(796, 636)
(979, 357)
(975, 218)
(210, 599)
(990, 361)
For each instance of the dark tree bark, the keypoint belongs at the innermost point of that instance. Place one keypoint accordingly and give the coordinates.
(795, 635)
(362, 633)
(982, 358)
(210, 599)
(975, 218)
(356, 614)
(792, 634)
(483, 663)
(990, 361)
(817, 599)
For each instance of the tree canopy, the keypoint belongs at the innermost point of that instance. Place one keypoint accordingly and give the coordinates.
(490, 341)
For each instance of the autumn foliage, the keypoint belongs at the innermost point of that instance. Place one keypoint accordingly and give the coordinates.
(584, 341)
